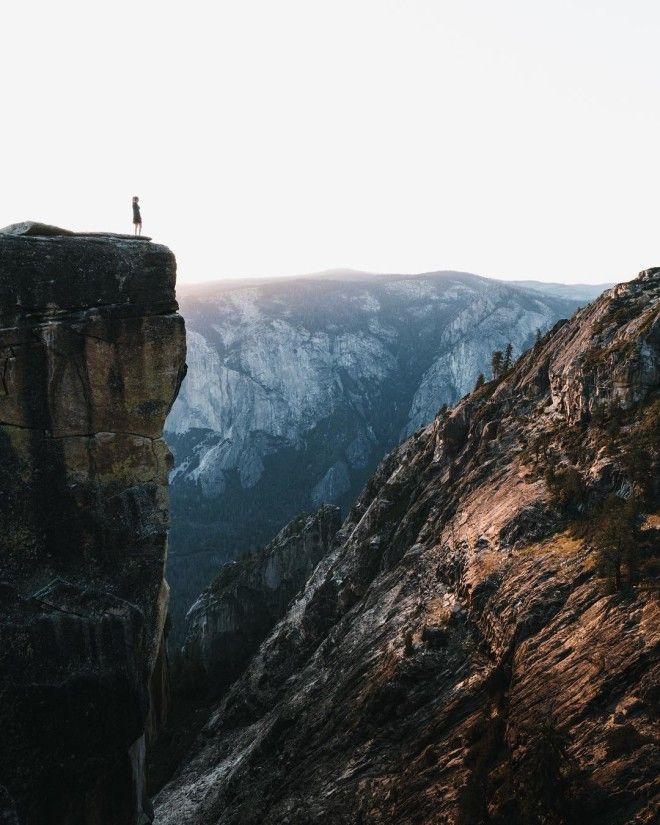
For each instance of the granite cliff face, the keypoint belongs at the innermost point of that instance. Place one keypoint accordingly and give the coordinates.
(297, 388)
(231, 618)
(92, 355)
(467, 653)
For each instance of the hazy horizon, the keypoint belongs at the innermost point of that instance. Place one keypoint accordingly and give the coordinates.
(340, 272)
(272, 139)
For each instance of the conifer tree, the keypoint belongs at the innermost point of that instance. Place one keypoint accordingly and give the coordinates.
(496, 363)
(508, 357)
(615, 536)
(481, 380)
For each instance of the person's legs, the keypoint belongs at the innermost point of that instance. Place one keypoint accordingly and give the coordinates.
(139, 229)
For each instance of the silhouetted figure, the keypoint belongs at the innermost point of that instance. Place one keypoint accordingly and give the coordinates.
(137, 218)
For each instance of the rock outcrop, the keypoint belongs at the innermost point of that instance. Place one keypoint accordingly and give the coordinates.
(92, 355)
(228, 622)
(459, 658)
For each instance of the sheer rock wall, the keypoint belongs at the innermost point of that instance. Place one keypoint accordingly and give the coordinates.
(92, 354)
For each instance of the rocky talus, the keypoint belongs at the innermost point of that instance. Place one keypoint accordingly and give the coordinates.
(462, 656)
(92, 355)
(232, 617)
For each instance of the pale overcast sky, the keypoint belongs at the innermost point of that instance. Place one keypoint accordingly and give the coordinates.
(516, 138)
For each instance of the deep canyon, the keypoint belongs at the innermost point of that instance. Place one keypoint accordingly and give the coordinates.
(475, 642)
(481, 643)
(298, 387)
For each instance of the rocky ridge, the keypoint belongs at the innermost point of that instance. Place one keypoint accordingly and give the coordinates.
(92, 354)
(246, 599)
(457, 658)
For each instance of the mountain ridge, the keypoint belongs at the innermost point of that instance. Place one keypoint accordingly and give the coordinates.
(581, 290)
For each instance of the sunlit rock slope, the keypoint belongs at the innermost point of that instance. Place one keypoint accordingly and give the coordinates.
(482, 645)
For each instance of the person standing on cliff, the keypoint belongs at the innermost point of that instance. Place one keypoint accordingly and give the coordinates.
(137, 218)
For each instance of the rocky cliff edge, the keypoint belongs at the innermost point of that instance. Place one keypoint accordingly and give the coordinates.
(92, 354)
